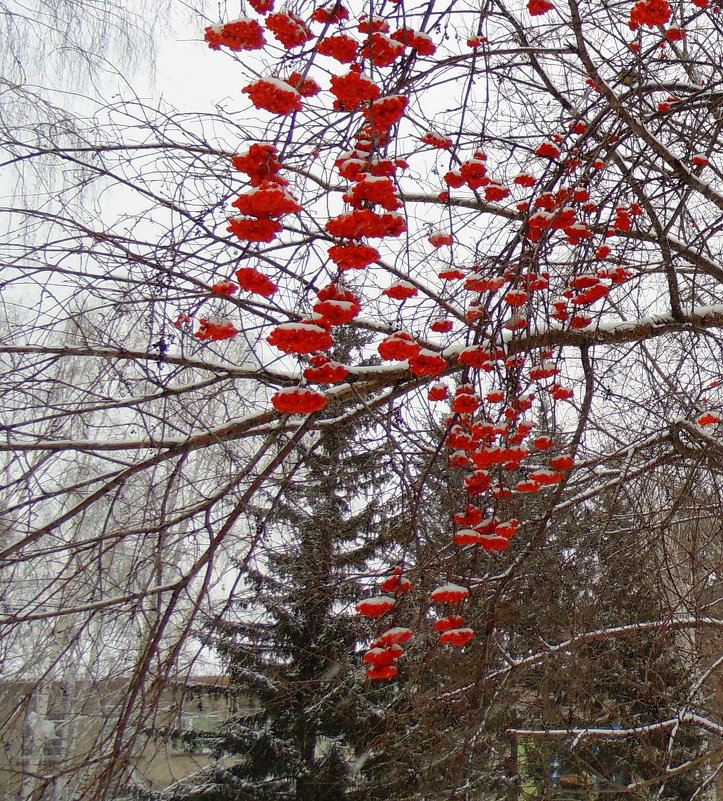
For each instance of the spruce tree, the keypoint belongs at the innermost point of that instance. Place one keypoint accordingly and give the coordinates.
(291, 647)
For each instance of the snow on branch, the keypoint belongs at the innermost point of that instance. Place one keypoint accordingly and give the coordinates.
(594, 733)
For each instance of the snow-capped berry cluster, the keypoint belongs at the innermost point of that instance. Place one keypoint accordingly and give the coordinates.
(341, 47)
(386, 650)
(402, 346)
(288, 29)
(336, 305)
(437, 140)
(306, 87)
(215, 329)
(353, 255)
(266, 201)
(259, 163)
(337, 13)
(323, 370)
(373, 190)
(299, 400)
(419, 41)
(302, 337)
(274, 95)
(381, 50)
(238, 34)
(365, 222)
(353, 89)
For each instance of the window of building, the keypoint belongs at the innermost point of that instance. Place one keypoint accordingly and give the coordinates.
(53, 735)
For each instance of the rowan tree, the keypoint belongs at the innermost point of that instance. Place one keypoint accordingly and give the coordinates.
(521, 205)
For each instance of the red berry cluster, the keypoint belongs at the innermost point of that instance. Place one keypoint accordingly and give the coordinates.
(259, 163)
(353, 255)
(271, 94)
(303, 337)
(268, 198)
(650, 13)
(254, 281)
(364, 222)
(306, 87)
(385, 112)
(325, 371)
(421, 42)
(337, 305)
(437, 140)
(338, 13)
(215, 329)
(289, 29)
(381, 50)
(401, 290)
(342, 47)
(472, 172)
(299, 400)
(254, 230)
(239, 34)
(374, 190)
(224, 289)
(353, 90)
(538, 7)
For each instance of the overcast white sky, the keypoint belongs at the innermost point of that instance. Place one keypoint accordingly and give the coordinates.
(191, 76)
